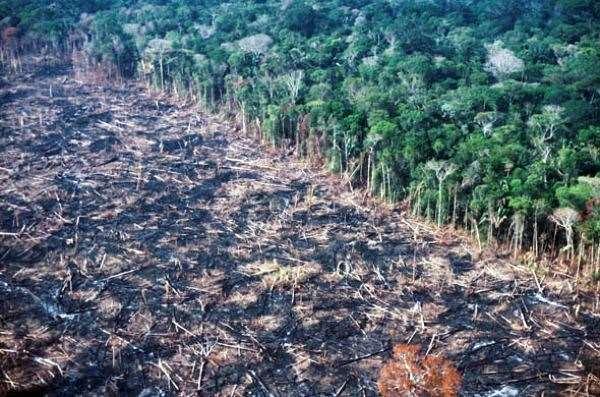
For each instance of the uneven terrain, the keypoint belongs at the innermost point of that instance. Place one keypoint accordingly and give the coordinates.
(148, 249)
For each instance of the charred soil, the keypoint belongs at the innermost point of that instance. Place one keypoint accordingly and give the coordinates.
(147, 249)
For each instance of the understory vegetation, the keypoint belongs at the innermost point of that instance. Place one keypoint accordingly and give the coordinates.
(481, 114)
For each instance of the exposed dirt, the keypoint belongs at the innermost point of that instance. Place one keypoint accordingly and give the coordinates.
(147, 249)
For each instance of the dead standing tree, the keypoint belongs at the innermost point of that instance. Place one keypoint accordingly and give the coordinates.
(502, 62)
(156, 54)
(518, 229)
(292, 81)
(442, 170)
(566, 218)
(545, 125)
(9, 49)
(486, 121)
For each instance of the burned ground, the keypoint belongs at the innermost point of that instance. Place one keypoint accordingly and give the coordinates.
(147, 249)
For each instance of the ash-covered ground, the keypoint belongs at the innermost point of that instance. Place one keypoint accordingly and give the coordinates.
(149, 249)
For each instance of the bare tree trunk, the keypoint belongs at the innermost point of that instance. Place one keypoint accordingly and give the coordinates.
(490, 231)
(258, 130)
(454, 206)
(535, 235)
(477, 233)
(439, 204)
(382, 189)
(518, 226)
(369, 171)
(162, 73)
(244, 128)
(569, 233)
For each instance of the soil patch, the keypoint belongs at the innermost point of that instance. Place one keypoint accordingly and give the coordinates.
(146, 249)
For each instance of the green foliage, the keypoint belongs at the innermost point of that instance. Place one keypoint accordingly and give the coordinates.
(575, 196)
(50, 22)
(507, 93)
(591, 227)
(112, 45)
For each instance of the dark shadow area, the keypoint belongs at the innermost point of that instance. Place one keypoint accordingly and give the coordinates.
(143, 254)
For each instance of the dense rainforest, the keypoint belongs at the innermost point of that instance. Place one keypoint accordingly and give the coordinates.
(483, 114)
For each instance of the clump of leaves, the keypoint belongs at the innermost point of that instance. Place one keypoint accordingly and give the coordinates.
(409, 373)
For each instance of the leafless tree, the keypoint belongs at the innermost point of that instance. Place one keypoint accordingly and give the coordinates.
(293, 83)
(502, 62)
(566, 218)
(442, 170)
(413, 82)
(486, 120)
(157, 49)
(545, 126)
(518, 229)
(258, 43)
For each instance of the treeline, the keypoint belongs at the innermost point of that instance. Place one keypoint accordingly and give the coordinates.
(484, 114)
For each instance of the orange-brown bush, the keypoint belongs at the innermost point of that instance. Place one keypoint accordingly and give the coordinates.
(409, 373)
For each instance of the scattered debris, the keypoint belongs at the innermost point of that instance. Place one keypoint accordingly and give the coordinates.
(505, 391)
(195, 260)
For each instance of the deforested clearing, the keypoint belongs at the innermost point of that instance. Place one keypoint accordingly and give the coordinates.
(149, 249)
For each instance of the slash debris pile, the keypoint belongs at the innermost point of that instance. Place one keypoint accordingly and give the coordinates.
(145, 249)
